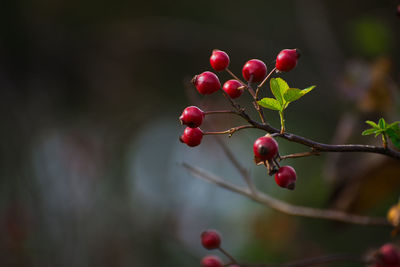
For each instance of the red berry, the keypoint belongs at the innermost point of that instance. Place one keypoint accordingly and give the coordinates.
(219, 60)
(192, 136)
(192, 116)
(287, 59)
(286, 177)
(210, 239)
(265, 148)
(206, 83)
(388, 256)
(231, 88)
(254, 69)
(211, 261)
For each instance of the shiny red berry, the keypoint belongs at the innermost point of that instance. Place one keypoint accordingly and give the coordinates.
(210, 239)
(219, 60)
(206, 83)
(388, 256)
(287, 59)
(254, 69)
(192, 116)
(265, 148)
(211, 261)
(192, 136)
(231, 88)
(286, 177)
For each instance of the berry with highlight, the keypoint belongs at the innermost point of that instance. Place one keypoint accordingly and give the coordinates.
(286, 177)
(192, 136)
(192, 116)
(231, 87)
(206, 83)
(265, 148)
(219, 60)
(210, 239)
(254, 70)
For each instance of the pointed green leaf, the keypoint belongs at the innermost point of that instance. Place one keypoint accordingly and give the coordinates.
(368, 132)
(270, 103)
(278, 88)
(382, 123)
(394, 135)
(393, 125)
(308, 89)
(373, 124)
(292, 94)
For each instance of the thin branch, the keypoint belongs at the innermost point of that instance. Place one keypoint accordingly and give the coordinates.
(233, 260)
(235, 77)
(321, 147)
(242, 170)
(314, 261)
(219, 112)
(231, 130)
(299, 155)
(284, 207)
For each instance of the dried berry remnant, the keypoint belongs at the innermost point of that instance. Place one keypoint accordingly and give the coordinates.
(206, 83)
(210, 239)
(254, 70)
(211, 261)
(287, 59)
(231, 87)
(265, 148)
(192, 136)
(286, 177)
(388, 256)
(192, 117)
(219, 60)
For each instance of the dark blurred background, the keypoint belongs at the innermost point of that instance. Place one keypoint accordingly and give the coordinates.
(90, 162)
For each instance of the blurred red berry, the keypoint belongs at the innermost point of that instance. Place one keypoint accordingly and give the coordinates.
(210, 239)
(211, 261)
(265, 148)
(192, 116)
(231, 88)
(219, 60)
(206, 83)
(287, 59)
(192, 136)
(388, 256)
(286, 177)
(254, 69)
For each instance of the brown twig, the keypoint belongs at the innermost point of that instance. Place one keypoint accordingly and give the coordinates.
(284, 207)
(314, 261)
(321, 147)
(299, 155)
(220, 112)
(231, 130)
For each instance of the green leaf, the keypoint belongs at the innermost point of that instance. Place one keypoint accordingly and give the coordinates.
(393, 125)
(292, 94)
(382, 123)
(368, 132)
(308, 89)
(373, 124)
(394, 135)
(278, 88)
(270, 103)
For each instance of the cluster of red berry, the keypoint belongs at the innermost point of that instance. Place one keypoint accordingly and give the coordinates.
(255, 70)
(211, 239)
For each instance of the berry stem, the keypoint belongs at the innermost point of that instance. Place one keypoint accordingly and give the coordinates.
(282, 122)
(219, 112)
(228, 255)
(299, 155)
(384, 141)
(264, 81)
(235, 77)
(230, 131)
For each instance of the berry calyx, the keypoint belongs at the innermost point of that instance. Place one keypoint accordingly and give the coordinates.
(210, 239)
(265, 148)
(192, 116)
(287, 59)
(206, 83)
(219, 60)
(388, 256)
(286, 177)
(211, 261)
(254, 69)
(192, 136)
(231, 87)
